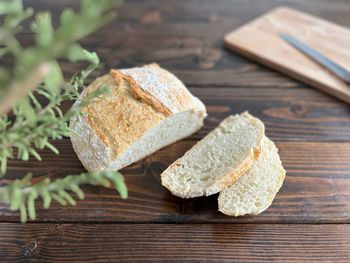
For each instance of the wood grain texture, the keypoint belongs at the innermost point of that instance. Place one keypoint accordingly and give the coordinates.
(312, 131)
(174, 243)
(316, 189)
(260, 41)
(291, 114)
(187, 37)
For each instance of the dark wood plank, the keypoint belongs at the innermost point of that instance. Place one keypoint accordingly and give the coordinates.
(174, 243)
(293, 114)
(289, 114)
(186, 37)
(316, 189)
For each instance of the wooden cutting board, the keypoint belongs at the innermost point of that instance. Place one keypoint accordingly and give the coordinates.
(260, 41)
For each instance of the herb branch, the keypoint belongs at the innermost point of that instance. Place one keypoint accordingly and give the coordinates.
(32, 93)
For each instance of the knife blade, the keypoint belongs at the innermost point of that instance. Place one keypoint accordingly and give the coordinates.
(332, 66)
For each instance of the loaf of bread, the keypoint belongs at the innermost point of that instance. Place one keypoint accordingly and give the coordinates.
(255, 190)
(218, 160)
(149, 108)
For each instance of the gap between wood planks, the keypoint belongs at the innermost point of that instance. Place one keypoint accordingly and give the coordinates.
(165, 223)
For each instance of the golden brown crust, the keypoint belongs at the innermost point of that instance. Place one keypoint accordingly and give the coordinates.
(94, 124)
(257, 152)
(139, 93)
(120, 119)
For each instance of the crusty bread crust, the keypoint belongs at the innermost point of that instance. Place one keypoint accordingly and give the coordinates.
(139, 93)
(163, 87)
(110, 125)
(91, 150)
(120, 119)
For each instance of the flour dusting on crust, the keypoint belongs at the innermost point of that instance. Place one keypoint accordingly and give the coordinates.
(164, 86)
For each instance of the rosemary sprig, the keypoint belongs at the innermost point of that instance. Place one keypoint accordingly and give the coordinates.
(33, 90)
(21, 195)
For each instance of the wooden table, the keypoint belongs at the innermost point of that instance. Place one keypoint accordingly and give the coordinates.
(309, 219)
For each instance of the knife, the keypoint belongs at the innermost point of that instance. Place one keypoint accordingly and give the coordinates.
(335, 68)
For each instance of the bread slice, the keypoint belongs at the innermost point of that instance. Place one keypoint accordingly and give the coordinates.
(255, 190)
(149, 108)
(218, 160)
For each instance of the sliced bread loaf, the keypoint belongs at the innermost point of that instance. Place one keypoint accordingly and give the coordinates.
(149, 108)
(218, 160)
(255, 190)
